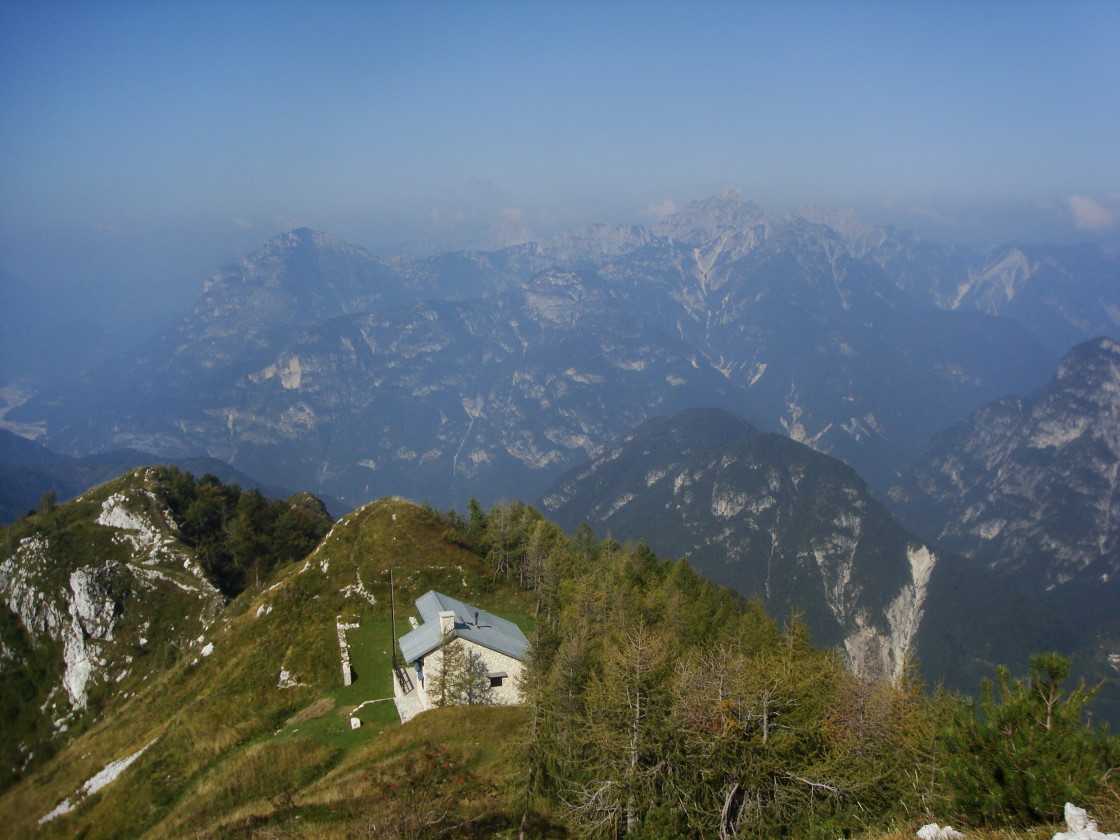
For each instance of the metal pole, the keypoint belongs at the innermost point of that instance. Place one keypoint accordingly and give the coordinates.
(393, 618)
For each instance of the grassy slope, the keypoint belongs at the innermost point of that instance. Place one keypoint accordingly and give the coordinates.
(158, 616)
(233, 755)
(228, 747)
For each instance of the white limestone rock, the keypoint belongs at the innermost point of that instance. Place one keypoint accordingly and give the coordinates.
(1081, 827)
(933, 831)
(103, 777)
(93, 615)
(288, 680)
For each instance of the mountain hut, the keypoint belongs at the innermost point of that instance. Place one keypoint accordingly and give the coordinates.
(487, 652)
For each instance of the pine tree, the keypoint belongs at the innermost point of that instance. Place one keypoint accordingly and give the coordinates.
(1022, 751)
(626, 710)
(461, 676)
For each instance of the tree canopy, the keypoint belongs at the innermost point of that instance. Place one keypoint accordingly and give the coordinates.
(662, 706)
(240, 536)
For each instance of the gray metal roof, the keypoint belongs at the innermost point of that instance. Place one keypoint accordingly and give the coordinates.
(490, 631)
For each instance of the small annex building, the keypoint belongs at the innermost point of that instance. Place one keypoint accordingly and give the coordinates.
(496, 647)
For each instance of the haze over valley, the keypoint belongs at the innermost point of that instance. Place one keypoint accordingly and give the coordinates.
(759, 362)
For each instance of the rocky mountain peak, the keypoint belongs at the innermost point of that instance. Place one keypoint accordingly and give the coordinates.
(1083, 400)
(777, 521)
(298, 277)
(1097, 360)
(1028, 487)
(594, 242)
(990, 288)
(721, 217)
(105, 591)
(305, 237)
(284, 249)
(859, 237)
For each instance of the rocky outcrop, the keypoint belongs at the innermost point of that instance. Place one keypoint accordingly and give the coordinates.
(1081, 827)
(1028, 487)
(775, 520)
(104, 595)
(933, 831)
(79, 616)
(313, 363)
(107, 775)
(148, 529)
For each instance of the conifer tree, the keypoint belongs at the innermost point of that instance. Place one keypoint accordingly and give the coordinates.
(1023, 750)
(461, 676)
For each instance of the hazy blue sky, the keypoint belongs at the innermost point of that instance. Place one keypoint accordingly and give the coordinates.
(150, 141)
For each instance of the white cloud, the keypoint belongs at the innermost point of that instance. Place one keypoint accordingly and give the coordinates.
(661, 210)
(927, 213)
(288, 223)
(242, 223)
(507, 229)
(1092, 215)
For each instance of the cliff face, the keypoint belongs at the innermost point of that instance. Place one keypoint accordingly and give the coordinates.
(312, 363)
(98, 596)
(1027, 487)
(799, 530)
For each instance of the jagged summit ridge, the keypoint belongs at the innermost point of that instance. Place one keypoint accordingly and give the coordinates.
(800, 531)
(304, 237)
(594, 242)
(1028, 485)
(720, 215)
(307, 361)
(1098, 359)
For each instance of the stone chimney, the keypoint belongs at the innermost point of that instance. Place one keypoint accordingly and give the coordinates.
(446, 621)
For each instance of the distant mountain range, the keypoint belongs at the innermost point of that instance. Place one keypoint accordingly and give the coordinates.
(1028, 487)
(28, 470)
(1025, 489)
(315, 364)
(728, 387)
(800, 531)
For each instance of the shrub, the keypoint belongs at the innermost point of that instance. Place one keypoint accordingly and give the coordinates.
(1023, 750)
(427, 793)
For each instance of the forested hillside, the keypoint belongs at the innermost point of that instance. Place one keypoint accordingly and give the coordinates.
(658, 705)
(314, 363)
(101, 594)
(663, 706)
